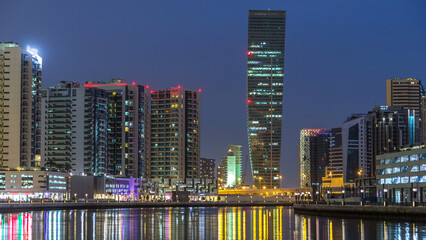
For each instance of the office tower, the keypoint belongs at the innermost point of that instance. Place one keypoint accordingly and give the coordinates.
(74, 129)
(20, 84)
(175, 133)
(392, 128)
(265, 75)
(356, 147)
(128, 136)
(207, 167)
(334, 171)
(313, 156)
(231, 166)
(405, 93)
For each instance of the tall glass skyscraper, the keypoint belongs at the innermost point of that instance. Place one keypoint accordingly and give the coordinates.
(265, 75)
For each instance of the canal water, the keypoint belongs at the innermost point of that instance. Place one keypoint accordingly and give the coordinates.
(199, 223)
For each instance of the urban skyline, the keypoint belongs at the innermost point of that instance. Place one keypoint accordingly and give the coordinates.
(294, 101)
(212, 120)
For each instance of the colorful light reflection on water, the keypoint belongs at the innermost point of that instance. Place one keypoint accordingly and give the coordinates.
(198, 223)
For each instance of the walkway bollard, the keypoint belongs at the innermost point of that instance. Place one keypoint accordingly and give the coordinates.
(343, 203)
(361, 203)
(385, 203)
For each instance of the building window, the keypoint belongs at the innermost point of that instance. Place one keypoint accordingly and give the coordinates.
(414, 157)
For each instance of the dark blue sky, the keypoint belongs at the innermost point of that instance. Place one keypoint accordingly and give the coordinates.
(338, 55)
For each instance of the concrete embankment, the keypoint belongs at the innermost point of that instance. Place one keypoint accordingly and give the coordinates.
(366, 210)
(18, 207)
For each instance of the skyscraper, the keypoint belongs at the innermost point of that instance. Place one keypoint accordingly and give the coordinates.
(74, 129)
(407, 93)
(334, 171)
(391, 128)
(265, 75)
(128, 105)
(231, 166)
(20, 84)
(356, 147)
(313, 156)
(175, 133)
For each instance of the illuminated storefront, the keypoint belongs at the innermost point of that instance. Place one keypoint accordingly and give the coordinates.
(33, 185)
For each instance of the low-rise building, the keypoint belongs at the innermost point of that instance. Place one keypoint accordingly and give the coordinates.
(32, 185)
(401, 176)
(173, 189)
(105, 187)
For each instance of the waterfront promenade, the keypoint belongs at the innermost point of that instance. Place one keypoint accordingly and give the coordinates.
(356, 209)
(26, 206)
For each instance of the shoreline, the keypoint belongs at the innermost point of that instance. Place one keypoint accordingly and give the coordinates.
(366, 211)
(21, 207)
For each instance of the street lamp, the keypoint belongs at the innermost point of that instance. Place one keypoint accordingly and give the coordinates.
(260, 179)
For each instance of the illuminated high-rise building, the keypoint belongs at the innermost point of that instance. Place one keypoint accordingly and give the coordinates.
(20, 84)
(175, 133)
(128, 135)
(231, 166)
(74, 129)
(313, 156)
(392, 128)
(406, 93)
(265, 75)
(356, 147)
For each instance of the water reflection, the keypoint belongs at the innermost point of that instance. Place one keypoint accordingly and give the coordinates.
(198, 223)
(315, 227)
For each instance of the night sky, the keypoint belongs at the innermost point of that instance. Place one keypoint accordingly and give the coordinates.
(338, 55)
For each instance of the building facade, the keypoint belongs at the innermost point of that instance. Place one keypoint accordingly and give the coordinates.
(356, 147)
(313, 156)
(175, 133)
(231, 170)
(31, 185)
(207, 167)
(334, 171)
(401, 176)
(265, 76)
(74, 129)
(392, 128)
(405, 93)
(20, 83)
(128, 134)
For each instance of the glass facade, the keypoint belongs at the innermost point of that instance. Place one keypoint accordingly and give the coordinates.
(401, 176)
(265, 74)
